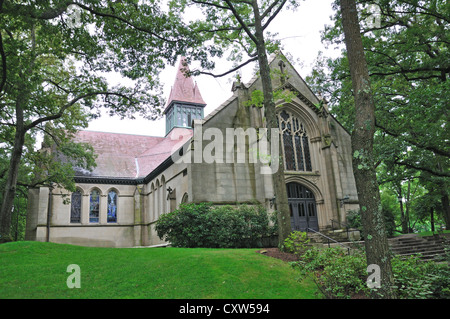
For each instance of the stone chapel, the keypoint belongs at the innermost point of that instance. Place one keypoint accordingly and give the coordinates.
(137, 178)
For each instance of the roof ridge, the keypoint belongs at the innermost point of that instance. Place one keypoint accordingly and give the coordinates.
(133, 134)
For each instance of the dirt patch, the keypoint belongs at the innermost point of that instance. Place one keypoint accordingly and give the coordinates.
(277, 253)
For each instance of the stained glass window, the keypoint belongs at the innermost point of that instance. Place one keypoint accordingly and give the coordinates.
(94, 206)
(75, 207)
(297, 156)
(112, 207)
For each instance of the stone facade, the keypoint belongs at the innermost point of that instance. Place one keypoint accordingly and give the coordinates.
(154, 188)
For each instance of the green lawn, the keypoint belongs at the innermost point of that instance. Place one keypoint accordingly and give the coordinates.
(39, 270)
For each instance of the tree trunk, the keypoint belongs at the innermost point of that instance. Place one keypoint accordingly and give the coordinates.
(444, 200)
(11, 181)
(279, 184)
(407, 204)
(432, 219)
(402, 213)
(445, 208)
(376, 244)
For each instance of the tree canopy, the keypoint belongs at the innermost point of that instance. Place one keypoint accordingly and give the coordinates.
(408, 59)
(55, 57)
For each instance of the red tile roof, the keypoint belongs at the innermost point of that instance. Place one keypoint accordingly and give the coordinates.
(130, 156)
(135, 156)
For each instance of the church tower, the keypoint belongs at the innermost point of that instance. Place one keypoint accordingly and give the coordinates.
(185, 102)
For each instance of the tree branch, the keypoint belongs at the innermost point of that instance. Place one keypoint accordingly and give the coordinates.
(425, 169)
(413, 142)
(66, 106)
(211, 4)
(241, 22)
(108, 15)
(229, 71)
(26, 10)
(3, 55)
(273, 15)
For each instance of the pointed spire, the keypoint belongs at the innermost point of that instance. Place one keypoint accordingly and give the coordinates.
(184, 89)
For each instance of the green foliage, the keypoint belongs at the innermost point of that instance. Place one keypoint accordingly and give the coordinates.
(354, 219)
(52, 80)
(341, 276)
(408, 59)
(315, 259)
(416, 279)
(296, 243)
(204, 225)
(338, 275)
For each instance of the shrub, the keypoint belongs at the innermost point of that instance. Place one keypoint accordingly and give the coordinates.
(341, 276)
(418, 279)
(204, 225)
(344, 277)
(296, 243)
(335, 273)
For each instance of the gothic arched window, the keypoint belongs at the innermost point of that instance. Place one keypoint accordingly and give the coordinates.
(297, 156)
(75, 207)
(94, 206)
(112, 207)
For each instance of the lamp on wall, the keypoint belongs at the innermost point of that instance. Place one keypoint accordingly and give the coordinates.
(170, 190)
(272, 201)
(343, 200)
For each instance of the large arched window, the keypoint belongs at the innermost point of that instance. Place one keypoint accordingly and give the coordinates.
(75, 207)
(112, 207)
(297, 156)
(94, 206)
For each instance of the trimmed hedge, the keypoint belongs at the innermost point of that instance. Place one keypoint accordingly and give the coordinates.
(205, 225)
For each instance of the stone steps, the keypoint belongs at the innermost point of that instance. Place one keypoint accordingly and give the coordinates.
(427, 248)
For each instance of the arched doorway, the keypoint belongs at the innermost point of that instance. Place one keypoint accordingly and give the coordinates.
(302, 205)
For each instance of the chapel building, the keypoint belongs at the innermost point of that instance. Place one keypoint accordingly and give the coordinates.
(139, 178)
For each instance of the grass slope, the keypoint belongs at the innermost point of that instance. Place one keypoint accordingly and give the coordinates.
(39, 270)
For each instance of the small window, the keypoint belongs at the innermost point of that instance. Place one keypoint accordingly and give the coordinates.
(112, 207)
(94, 207)
(75, 207)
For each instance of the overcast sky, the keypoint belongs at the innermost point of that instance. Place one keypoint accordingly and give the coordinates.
(300, 31)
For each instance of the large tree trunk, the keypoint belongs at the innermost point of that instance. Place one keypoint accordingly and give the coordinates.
(279, 184)
(13, 172)
(377, 249)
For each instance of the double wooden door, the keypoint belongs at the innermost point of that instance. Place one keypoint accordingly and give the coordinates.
(303, 208)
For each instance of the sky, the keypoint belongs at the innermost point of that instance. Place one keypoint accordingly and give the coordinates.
(300, 32)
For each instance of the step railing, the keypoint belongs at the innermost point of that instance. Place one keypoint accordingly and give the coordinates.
(329, 239)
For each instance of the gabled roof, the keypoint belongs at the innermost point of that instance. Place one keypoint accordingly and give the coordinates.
(184, 89)
(127, 156)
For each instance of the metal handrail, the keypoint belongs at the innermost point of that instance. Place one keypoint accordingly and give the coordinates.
(329, 238)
